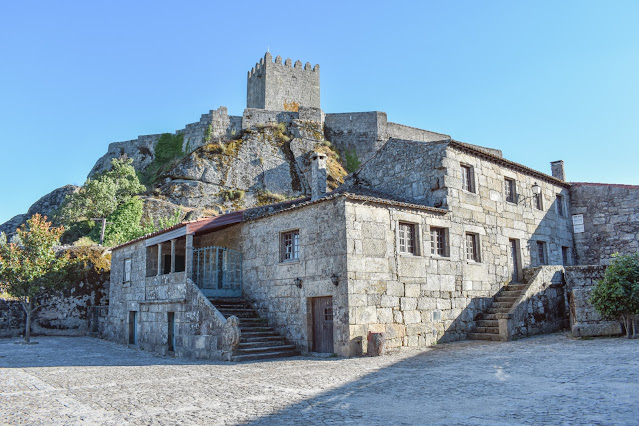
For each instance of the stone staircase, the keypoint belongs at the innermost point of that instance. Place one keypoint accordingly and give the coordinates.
(487, 327)
(257, 339)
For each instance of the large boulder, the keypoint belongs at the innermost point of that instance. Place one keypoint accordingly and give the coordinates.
(46, 206)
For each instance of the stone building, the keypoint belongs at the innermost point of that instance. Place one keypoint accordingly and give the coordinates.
(431, 240)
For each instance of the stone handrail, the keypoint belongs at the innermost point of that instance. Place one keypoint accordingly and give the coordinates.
(541, 306)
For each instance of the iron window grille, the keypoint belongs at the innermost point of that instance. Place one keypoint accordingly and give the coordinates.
(290, 246)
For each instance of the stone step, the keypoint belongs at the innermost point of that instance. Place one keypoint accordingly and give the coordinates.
(507, 298)
(502, 305)
(265, 355)
(261, 343)
(252, 334)
(515, 287)
(255, 328)
(273, 337)
(240, 314)
(487, 323)
(497, 310)
(488, 316)
(484, 336)
(263, 349)
(489, 330)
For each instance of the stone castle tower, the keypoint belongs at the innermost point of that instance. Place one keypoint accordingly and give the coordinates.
(281, 87)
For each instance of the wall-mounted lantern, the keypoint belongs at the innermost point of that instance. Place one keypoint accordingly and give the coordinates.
(298, 282)
(536, 190)
(335, 279)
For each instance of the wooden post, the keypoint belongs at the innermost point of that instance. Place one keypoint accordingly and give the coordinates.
(160, 269)
(104, 224)
(173, 255)
(188, 259)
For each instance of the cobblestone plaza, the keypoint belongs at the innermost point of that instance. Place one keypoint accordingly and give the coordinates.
(550, 379)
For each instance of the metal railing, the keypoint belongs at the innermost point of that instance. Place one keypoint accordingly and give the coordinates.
(217, 268)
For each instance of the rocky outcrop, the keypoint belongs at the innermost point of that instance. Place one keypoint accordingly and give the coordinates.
(46, 206)
(235, 173)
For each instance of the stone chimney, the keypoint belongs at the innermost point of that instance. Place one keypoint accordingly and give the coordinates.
(557, 168)
(318, 175)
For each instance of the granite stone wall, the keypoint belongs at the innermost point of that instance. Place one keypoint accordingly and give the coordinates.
(199, 328)
(270, 284)
(542, 306)
(70, 312)
(281, 86)
(584, 319)
(610, 221)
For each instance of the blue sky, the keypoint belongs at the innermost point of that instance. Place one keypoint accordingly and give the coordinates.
(542, 81)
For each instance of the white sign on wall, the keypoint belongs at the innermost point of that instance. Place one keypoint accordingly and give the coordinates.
(578, 223)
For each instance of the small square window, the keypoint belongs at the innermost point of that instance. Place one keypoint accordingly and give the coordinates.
(467, 178)
(407, 240)
(438, 241)
(127, 270)
(560, 205)
(290, 246)
(510, 190)
(472, 247)
(542, 258)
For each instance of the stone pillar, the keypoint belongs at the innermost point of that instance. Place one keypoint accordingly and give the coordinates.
(188, 259)
(160, 268)
(173, 255)
(557, 168)
(318, 175)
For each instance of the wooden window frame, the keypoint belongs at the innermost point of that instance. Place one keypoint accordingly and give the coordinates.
(292, 255)
(561, 207)
(510, 190)
(439, 241)
(467, 177)
(538, 201)
(126, 273)
(542, 253)
(473, 250)
(408, 243)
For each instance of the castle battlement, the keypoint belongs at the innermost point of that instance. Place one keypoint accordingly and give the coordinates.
(278, 86)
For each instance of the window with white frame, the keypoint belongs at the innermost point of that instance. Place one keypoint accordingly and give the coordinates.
(407, 238)
(439, 241)
(290, 246)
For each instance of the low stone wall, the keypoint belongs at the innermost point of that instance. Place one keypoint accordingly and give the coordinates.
(67, 313)
(541, 307)
(584, 319)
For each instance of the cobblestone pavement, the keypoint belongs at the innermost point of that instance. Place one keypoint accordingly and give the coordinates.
(548, 379)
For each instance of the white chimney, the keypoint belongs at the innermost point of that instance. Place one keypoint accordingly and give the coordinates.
(318, 175)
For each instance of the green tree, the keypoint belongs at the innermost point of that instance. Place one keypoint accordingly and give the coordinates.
(29, 268)
(102, 195)
(616, 297)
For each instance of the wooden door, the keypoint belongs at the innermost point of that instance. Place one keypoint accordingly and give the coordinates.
(322, 324)
(514, 261)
